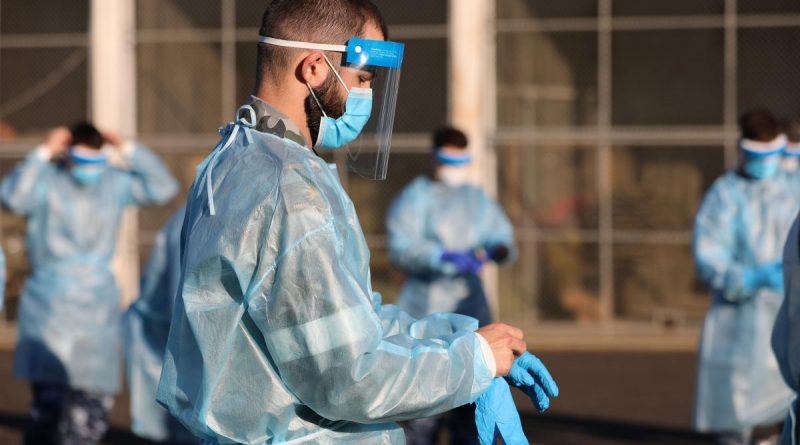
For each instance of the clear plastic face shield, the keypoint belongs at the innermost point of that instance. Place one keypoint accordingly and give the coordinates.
(364, 130)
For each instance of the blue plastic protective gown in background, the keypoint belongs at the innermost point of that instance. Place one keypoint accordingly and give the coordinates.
(786, 335)
(69, 319)
(430, 217)
(742, 225)
(277, 336)
(147, 327)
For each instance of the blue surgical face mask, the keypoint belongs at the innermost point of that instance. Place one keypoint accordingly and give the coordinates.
(87, 175)
(336, 133)
(762, 167)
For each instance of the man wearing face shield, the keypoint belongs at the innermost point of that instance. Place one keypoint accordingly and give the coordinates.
(277, 336)
(739, 234)
(68, 335)
(441, 231)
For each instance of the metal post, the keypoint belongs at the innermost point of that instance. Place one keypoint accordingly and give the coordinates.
(113, 73)
(604, 163)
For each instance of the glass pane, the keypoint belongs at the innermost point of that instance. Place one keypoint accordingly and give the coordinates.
(170, 14)
(552, 281)
(768, 6)
(550, 186)
(386, 279)
(672, 7)
(179, 88)
(406, 12)
(422, 104)
(769, 69)
(667, 77)
(413, 12)
(42, 88)
(246, 54)
(373, 198)
(43, 16)
(661, 187)
(557, 87)
(657, 283)
(249, 13)
(543, 9)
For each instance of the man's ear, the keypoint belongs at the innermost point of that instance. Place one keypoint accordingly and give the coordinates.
(314, 69)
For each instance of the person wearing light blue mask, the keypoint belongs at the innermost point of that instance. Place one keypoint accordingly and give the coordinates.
(68, 343)
(739, 234)
(441, 231)
(791, 155)
(277, 336)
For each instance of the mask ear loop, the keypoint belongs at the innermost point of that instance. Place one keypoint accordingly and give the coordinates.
(314, 96)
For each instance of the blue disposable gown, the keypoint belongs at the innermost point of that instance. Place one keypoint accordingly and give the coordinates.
(69, 319)
(741, 224)
(429, 217)
(277, 336)
(147, 327)
(786, 335)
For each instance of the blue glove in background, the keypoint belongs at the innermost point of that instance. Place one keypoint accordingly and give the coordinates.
(769, 276)
(496, 415)
(465, 263)
(529, 374)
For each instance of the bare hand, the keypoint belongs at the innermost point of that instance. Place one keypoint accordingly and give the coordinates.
(58, 140)
(113, 138)
(507, 344)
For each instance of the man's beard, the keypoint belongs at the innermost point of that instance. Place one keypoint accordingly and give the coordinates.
(331, 101)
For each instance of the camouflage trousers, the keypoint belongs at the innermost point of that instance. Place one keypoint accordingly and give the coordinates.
(65, 416)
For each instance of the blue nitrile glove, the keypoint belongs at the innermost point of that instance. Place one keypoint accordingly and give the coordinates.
(769, 276)
(464, 263)
(529, 374)
(496, 415)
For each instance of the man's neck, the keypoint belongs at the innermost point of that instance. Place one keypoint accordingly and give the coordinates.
(288, 103)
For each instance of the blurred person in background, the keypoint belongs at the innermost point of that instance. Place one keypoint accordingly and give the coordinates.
(786, 335)
(69, 319)
(276, 335)
(441, 231)
(147, 327)
(739, 234)
(791, 156)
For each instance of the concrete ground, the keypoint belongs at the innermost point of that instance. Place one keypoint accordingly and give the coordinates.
(606, 398)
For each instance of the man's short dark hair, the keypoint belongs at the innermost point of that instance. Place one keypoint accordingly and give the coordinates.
(315, 21)
(759, 125)
(84, 133)
(449, 136)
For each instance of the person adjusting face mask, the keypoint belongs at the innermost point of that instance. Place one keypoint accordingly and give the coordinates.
(277, 336)
(739, 234)
(87, 164)
(68, 339)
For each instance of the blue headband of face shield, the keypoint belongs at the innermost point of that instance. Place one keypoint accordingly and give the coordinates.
(792, 150)
(365, 126)
(84, 159)
(755, 149)
(451, 159)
